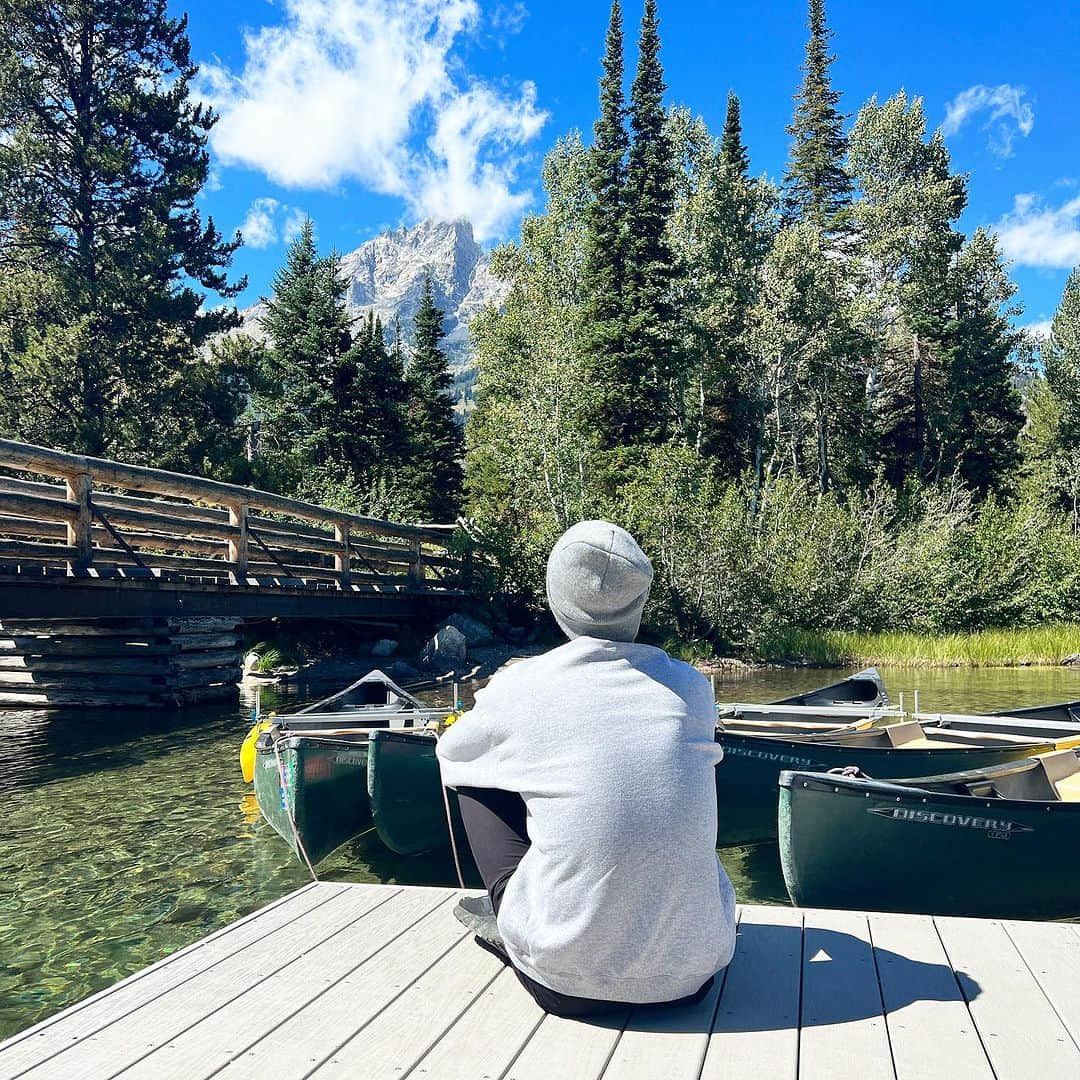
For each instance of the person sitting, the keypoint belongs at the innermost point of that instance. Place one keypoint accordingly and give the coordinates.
(586, 780)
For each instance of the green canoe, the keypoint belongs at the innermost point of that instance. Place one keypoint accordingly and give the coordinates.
(321, 754)
(325, 792)
(746, 778)
(996, 842)
(406, 793)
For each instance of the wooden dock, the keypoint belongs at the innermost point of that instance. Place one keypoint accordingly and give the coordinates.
(370, 981)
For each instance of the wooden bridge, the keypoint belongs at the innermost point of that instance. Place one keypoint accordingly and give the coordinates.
(87, 547)
(87, 544)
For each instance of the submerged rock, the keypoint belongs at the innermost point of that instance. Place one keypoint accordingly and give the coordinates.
(384, 647)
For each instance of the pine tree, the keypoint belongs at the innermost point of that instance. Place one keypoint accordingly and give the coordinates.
(102, 156)
(332, 403)
(906, 224)
(981, 442)
(307, 327)
(733, 154)
(606, 251)
(434, 472)
(1063, 359)
(817, 187)
(654, 362)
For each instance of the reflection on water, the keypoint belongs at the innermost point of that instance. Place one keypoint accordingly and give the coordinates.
(127, 836)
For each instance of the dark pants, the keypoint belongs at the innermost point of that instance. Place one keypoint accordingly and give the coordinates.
(495, 824)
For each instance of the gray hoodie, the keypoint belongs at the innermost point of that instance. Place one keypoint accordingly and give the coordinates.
(620, 896)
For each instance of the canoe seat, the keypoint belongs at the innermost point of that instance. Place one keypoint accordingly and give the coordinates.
(1051, 777)
(904, 733)
(1062, 771)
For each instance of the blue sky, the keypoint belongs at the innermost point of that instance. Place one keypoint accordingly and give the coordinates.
(368, 114)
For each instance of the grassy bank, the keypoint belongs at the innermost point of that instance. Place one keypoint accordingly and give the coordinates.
(1048, 645)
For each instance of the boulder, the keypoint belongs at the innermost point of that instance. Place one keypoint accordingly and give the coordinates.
(384, 647)
(446, 651)
(473, 630)
(1072, 660)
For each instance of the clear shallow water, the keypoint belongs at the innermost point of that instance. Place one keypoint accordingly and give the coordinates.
(126, 837)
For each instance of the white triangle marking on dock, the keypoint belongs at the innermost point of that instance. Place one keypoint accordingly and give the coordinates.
(820, 955)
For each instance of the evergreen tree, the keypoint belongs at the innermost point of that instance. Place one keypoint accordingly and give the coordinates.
(733, 152)
(331, 406)
(817, 187)
(434, 472)
(805, 332)
(723, 226)
(606, 248)
(653, 367)
(307, 327)
(102, 155)
(1062, 359)
(981, 443)
(905, 221)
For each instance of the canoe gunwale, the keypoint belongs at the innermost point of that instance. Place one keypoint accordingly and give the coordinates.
(868, 788)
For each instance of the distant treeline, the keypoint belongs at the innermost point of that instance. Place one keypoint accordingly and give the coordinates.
(806, 397)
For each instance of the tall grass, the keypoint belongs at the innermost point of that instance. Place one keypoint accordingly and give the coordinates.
(1047, 645)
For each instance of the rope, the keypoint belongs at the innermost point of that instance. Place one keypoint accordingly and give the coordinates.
(450, 823)
(289, 814)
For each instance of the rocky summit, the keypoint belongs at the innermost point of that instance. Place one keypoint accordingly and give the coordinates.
(386, 275)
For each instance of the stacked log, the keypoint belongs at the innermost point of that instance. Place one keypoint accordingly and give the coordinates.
(118, 663)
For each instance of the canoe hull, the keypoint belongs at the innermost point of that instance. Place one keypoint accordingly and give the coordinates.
(855, 844)
(747, 777)
(326, 792)
(406, 795)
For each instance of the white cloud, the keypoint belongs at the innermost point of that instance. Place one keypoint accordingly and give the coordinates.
(269, 221)
(370, 91)
(1009, 113)
(1040, 328)
(1034, 234)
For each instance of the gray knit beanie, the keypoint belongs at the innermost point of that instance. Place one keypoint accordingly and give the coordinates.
(597, 582)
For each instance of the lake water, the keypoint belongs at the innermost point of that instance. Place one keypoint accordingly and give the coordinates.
(126, 837)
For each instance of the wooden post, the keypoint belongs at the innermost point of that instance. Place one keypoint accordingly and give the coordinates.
(416, 567)
(238, 545)
(342, 558)
(79, 532)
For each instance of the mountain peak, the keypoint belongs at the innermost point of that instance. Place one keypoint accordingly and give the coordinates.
(386, 275)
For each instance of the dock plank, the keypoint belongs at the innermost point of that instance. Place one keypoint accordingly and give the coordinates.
(226, 1034)
(931, 1032)
(842, 1023)
(467, 1051)
(60, 1032)
(125, 1040)
(1022, 1034)
(669, 1042)
(323, 1024)
(1053, 957)
(756, 1030)
(395, 1040)
(569, 1049)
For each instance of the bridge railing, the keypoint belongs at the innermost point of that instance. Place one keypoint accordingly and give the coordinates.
(186, 527)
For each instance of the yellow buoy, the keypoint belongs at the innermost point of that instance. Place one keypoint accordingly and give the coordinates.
(247, 750)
